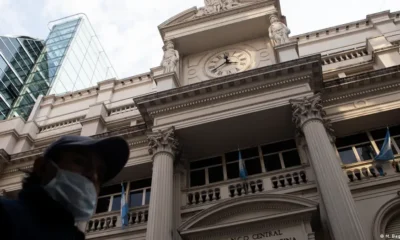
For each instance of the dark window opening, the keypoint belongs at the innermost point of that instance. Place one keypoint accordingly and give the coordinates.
(277, 147)
(272, 162)
(291, 158)
(102, 204)
(351, 140)
(347, 155)
(253, 166)
(215, 174)
(232, 170)
(197, 178)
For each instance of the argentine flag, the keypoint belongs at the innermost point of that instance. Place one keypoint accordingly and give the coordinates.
(242, 168)
(386, 152)
(124, 208)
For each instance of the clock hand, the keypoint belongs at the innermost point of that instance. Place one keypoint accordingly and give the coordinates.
(215, 69)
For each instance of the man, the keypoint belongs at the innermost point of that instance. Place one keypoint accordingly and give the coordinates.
(62, 188)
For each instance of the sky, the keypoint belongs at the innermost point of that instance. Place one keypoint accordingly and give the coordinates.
(128, 29)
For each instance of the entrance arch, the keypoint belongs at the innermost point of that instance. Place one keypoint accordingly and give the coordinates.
(387, 220)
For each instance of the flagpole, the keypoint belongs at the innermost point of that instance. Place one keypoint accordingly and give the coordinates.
(243, 172)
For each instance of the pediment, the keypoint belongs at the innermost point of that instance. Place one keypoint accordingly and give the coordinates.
(195, 13)
(250, 212)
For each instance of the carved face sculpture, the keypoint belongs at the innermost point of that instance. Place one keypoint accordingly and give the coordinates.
(169, 45)
(273, 19)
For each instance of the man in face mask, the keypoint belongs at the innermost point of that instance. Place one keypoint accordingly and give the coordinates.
(62, 189)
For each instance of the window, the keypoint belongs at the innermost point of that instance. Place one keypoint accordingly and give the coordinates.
(251, 158)
(280, 155)
(359, 147)
(355, 148)
(206, 171)
(109, 199)
(257, 160)
(139, 193)
(110, 196)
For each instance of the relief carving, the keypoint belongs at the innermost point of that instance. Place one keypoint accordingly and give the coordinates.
(310, 108)
(216, 6)
(163, 141)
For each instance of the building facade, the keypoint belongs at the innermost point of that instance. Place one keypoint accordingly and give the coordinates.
(17, 57)
(71, 59)
(308, 113)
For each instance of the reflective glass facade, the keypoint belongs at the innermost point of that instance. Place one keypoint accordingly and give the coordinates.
(72, 59)
(17, 58)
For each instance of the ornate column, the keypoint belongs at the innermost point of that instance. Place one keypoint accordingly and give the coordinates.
(336, 196)
(162, 145)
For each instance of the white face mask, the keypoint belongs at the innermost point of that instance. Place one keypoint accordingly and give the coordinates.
(75, 192)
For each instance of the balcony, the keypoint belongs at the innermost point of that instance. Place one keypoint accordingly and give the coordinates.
(110, 223)
(281, 181)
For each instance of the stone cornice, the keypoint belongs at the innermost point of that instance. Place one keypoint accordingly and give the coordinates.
(127, 132)
(265, 77)
(373, 82)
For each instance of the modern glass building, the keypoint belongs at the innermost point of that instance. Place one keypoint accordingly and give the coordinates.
(17, 58)
(72, 59)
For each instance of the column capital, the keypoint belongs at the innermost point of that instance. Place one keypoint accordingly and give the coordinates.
(163, 141)
(310, 108)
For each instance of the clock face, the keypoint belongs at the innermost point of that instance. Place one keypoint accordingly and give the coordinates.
(228, 62)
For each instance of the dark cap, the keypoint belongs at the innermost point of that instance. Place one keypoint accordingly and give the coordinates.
(114, 151)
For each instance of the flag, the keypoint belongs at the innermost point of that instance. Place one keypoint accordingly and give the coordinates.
(386, 152)
(124, 208)
(242, 168)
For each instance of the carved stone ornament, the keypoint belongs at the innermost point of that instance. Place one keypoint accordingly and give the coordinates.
(171, 57)
(216, 6)
(278, 31)
(309, 108)
(163, 141)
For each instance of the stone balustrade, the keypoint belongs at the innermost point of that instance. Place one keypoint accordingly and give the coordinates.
(121, 109)
(368, 170)
(289, 179)
(57, 125)
(330, 59)
(266, 182)
(110, 220)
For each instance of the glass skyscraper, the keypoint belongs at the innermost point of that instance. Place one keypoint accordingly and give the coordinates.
(72, 59)
(17, 57)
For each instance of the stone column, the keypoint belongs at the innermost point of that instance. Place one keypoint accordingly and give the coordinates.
(339, 203)
(162, 145)
(179, 174)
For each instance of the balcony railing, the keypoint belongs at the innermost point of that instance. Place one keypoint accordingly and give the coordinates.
(367, 171)
(112, 220)
(280, 180)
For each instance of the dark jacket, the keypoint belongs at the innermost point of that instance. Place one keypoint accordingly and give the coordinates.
(35, 215)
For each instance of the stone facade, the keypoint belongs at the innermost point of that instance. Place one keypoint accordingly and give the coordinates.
(306, 112)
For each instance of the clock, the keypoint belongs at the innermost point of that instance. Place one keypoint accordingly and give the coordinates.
(227, 62)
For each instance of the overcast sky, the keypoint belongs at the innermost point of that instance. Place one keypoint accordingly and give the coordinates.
(128, 28)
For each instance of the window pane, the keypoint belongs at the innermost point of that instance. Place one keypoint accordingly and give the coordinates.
(197, 178)
(232, 156)
(291, 159)
(144, 183)
(232, 170)
(378, 134)
(206, 162)
(279, 146)
(116, 203)
(347, 155)
(102, 204)
(136, 198)
(365, 152)
(253, 166)
(113, 189)
(380, 143)
(147, 200)
(272, 162)
(215, 174)
(350, 140)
